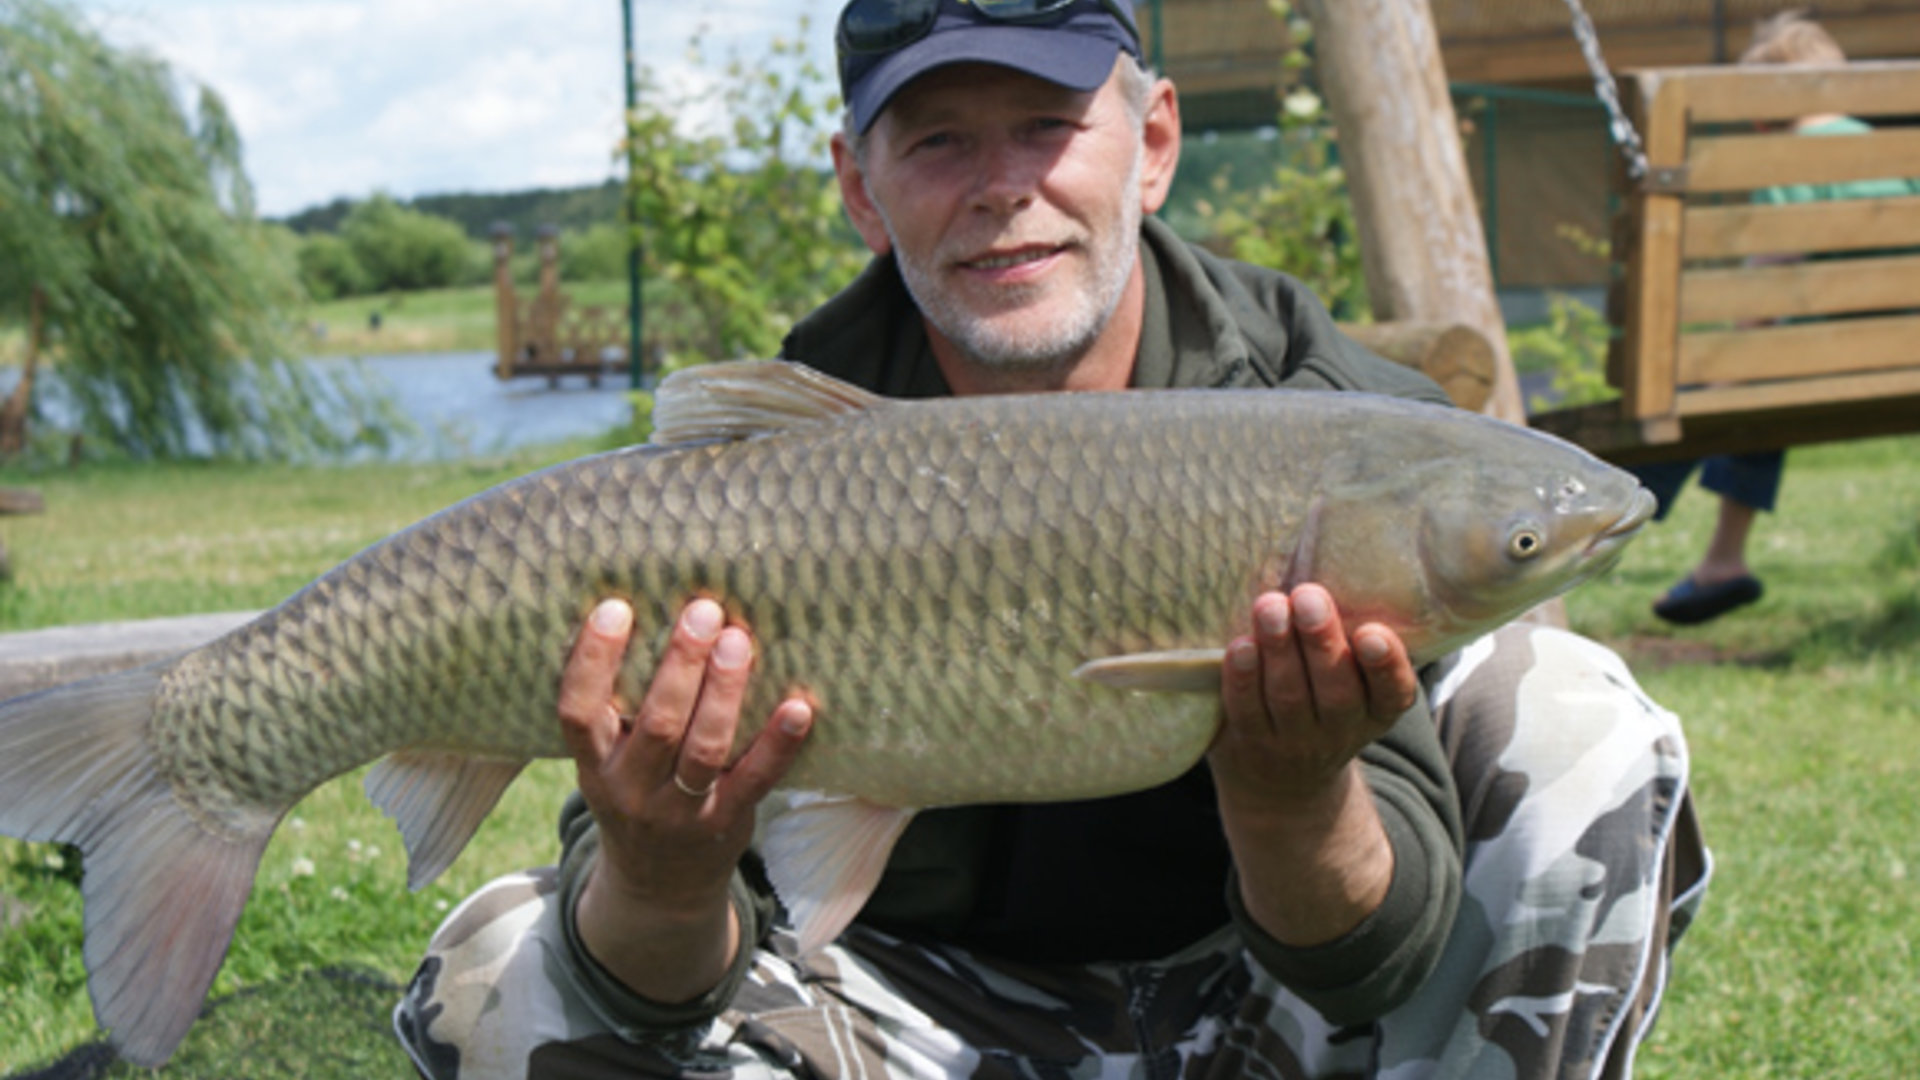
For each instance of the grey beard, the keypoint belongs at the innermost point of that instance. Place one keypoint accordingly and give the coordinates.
(1052, 348)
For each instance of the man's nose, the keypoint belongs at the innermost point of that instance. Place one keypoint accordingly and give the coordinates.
(1008, 178)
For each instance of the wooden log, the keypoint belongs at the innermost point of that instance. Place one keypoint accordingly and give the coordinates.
(1420, 235)
(21, 501)
(1455, 355)
(37, 659)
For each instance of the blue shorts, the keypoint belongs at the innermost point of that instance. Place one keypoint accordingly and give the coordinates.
(1749, 479)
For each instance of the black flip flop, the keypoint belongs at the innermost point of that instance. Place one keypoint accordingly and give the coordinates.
(1690, 603)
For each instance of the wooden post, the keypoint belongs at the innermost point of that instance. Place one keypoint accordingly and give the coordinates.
(1420, 234)
(506, 306)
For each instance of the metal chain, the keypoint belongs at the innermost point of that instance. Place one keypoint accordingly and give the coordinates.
(1624, 136)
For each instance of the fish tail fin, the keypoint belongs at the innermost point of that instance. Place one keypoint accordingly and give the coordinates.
(162, 893)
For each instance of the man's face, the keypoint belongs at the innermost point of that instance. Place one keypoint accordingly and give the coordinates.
(1012, 205)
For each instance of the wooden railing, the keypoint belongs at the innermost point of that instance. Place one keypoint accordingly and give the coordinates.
(1722, 346)
(547, 334)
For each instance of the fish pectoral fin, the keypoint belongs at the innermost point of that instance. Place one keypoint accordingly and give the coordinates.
(824, 855)
(438, 798)
(739, 399)
(1176, 671)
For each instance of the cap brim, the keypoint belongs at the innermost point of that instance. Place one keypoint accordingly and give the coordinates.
(1075, 61)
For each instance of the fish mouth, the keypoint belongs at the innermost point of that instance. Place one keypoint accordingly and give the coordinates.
(1612, 541)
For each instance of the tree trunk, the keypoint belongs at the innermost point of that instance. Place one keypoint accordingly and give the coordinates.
(1420, 235)
(13, 412)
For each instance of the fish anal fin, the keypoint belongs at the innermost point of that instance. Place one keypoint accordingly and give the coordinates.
(438, 798)
(824, 856)
(739, 399)
(1176, 671)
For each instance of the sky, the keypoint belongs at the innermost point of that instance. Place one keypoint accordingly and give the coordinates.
(419, 97)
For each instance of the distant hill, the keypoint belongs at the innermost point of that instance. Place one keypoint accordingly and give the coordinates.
(525, 211)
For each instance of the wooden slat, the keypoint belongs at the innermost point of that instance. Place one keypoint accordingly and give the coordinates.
(1747, 162)
(1721, 232)
(1653, 262)
(1800, 290)
(1733, 95)
(1801, 394)
(1803, 351)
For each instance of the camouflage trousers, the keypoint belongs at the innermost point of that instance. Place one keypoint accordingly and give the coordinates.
(1583, 865)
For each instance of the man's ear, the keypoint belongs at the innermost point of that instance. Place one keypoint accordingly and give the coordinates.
(855, 197)
(1160, 135)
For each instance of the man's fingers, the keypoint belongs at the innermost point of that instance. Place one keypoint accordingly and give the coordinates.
(588, 722)
(1326, 654)
(708, 743)
(661, 720)
(1392, 684)
(761, 768)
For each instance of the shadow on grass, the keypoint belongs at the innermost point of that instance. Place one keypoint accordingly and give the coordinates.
(325, 1024)
(1892, 628)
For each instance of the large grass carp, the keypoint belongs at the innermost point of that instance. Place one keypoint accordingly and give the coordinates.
(989, 599)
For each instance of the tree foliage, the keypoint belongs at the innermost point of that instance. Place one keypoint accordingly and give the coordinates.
(1298, 217)
(133, 256)
(741, 224)
(401, 249)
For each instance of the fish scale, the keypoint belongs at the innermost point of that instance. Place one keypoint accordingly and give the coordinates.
(987, 599)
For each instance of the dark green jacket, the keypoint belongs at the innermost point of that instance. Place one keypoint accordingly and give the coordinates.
(1142, 875)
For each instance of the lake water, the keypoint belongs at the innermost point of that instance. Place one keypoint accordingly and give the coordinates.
(460, 408)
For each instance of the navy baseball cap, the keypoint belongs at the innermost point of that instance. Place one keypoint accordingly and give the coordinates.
(883, 45)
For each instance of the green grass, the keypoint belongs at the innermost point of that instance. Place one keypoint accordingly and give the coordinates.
(433, 320)
(1799, 711)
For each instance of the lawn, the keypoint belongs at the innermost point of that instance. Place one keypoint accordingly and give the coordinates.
(431, 320)
(1799, 712)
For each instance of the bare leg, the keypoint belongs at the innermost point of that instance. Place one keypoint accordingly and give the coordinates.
(1726, 556)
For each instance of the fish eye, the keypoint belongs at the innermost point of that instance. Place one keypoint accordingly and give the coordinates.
(1525, 543)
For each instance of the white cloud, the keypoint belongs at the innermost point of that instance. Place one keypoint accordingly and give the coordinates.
(346, 97)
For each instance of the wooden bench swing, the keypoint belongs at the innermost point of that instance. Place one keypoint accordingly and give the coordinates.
(1713, 355)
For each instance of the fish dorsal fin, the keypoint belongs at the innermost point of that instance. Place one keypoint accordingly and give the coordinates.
(437, 798)
(740, 399)
(1180, 671)
(824, 855)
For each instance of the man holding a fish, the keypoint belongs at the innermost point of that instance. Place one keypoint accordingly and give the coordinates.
(1378, 866)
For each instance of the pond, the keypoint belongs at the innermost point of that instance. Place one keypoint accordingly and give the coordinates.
(459, 407)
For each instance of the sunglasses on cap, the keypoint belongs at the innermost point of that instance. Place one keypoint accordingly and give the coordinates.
(881, 26)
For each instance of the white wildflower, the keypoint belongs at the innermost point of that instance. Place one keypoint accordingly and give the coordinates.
(338, 892)
(1302, 104)
(302, 867)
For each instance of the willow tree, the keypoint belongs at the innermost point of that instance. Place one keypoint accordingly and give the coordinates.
(131, 257)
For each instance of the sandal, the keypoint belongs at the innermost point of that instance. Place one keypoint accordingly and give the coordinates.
(1690, 603)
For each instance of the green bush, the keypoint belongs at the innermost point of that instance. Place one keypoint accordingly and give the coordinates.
(329, 268)
(402, 249)
(596, 253)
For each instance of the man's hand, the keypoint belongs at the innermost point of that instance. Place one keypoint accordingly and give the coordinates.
(674, 812)
(1301, 698)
